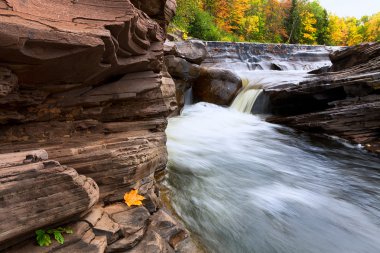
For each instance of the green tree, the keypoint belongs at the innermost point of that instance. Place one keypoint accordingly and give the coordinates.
(202, 26)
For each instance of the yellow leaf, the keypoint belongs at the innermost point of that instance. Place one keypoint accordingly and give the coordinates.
(132, 198)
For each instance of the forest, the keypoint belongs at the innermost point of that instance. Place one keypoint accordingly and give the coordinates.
(272, 21)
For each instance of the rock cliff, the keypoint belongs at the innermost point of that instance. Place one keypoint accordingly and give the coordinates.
(83, 81)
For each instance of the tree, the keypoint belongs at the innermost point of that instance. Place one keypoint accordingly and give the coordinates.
(337, 31)
(293, 24)
(275, 30)
(321, 16)
(373, 28)
(353, 35)
(308, 30)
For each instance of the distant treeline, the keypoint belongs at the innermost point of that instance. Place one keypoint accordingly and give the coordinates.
(277, 21)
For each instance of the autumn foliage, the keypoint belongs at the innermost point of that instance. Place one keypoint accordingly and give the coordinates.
(132, 198)
(279, 21)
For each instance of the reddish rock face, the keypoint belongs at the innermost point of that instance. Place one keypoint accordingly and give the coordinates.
(32, 190)
(83, 80)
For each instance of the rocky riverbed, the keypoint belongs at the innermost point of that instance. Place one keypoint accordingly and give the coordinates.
(86, 88)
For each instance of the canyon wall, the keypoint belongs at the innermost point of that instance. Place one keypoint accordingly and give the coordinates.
(84, 97)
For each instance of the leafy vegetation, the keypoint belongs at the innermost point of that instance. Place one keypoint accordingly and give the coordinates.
(279, 21)
(43, 236)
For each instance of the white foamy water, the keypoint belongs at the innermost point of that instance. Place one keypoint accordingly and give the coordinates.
(243, 185)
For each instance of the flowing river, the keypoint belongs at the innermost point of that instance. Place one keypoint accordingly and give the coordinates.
(241, 184)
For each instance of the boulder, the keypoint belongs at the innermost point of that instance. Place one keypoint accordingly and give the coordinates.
(216, 86)
(181, 69)
(193, 51)
(38, 192)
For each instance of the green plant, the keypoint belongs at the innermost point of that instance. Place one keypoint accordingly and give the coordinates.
(203, 27)
(43, 237)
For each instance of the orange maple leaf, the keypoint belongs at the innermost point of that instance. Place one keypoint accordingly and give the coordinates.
(132, 198)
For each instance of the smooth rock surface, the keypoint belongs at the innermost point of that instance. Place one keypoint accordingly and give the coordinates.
(216, 86)
(182, 69)
(193, 51)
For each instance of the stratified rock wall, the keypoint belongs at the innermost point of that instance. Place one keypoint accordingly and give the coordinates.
(344, 101)
(84, 80)
(33, 189)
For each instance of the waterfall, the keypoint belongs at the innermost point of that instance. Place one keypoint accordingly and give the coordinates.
(246, 99)
(189, 96)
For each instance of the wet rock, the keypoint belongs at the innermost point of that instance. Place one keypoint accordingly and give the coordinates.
(151, 201)
(251, 56)
(168, 228)
(344, 103)
(216, 86)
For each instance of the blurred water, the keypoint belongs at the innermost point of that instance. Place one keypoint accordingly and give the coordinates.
(244, 185)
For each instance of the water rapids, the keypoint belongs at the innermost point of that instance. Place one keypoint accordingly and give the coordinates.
(241, 184)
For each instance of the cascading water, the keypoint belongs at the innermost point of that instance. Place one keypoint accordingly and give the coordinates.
(242, 185)
(245, 100)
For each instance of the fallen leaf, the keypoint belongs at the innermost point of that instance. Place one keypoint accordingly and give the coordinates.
(132, 198)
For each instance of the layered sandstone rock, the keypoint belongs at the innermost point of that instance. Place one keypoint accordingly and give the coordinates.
(36, 192)
(84, 80)
(345, 103)
(118, 228)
